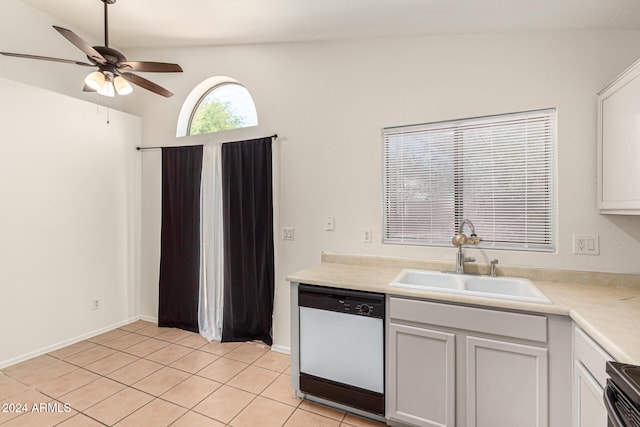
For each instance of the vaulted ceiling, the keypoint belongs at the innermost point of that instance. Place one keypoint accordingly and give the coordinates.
(156, 23)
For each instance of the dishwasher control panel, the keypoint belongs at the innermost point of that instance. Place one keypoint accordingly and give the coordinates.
(341, 300)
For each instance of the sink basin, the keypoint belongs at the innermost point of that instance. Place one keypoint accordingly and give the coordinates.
(423, 279)
(510, 288)
(507, 286)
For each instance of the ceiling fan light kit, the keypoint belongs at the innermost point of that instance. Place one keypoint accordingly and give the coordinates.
(114, 73)
(122, 86)
(105, 84)
(95, 80)
(107, 90)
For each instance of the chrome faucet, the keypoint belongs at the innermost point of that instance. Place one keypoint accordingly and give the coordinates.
(462, 239)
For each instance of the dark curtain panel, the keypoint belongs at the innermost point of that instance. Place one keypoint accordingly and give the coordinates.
(247, 202)
(180, 238)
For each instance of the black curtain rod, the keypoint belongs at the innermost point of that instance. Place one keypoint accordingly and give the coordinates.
(275, 136)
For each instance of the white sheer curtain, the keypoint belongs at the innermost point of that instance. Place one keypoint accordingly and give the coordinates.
(211, 249)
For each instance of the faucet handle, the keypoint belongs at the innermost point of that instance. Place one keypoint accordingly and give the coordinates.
(493, 263)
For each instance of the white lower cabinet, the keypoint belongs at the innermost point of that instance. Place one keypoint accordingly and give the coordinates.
(506, 384)
(456, 366)
(423, 390)
(589, 410)
(589, 380)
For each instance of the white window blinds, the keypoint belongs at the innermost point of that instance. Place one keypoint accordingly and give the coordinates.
(497, 172)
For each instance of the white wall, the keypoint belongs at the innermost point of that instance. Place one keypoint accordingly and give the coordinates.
(69, 219)
(329, 101)
(69, 194)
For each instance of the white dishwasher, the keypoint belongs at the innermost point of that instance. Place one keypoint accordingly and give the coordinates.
(342, 346)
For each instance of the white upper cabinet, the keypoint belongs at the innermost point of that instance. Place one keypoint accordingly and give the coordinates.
(619, 144)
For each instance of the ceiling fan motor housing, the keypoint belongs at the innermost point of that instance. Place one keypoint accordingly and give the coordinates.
(112, 56)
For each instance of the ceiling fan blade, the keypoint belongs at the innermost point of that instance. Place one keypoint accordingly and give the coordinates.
(81, 44)
(151, 67)
(146, 84)
(46, 58)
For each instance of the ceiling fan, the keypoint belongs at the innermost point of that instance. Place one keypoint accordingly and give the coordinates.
(114, 71)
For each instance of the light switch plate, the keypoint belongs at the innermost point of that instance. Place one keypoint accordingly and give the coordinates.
(586, 244)
(287, 233)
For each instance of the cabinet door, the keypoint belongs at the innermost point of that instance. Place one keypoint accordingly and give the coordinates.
(618, 145)
(506, 384)
(421, 376)
(590, 356)
(590, 410)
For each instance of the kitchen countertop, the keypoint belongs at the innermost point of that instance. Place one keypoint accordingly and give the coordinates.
(605, 305)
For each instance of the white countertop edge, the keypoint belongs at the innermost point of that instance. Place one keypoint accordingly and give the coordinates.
(609, 346)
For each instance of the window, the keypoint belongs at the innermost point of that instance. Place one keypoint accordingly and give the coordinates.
(497, 172)
(225, 106)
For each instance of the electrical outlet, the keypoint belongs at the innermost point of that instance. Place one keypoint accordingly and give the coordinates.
(586, 244)
(287, 233)
(95, 304)
(329, 223)
(366, 235)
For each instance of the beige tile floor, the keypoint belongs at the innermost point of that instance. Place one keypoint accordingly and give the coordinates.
(143, 375)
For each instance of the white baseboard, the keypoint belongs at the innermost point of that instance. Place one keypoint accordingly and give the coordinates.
(148, 319)
(281, 349)
(61, 344)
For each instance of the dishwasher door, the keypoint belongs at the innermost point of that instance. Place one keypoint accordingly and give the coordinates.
(342, 346)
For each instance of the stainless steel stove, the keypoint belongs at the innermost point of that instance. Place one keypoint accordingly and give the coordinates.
(622, 395)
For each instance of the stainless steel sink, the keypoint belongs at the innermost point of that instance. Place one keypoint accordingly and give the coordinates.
(510, 288)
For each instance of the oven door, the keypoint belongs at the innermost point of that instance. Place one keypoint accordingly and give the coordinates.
(621, 412)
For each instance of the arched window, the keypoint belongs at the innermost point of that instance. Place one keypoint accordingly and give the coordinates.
(225, 106)
(217, 104)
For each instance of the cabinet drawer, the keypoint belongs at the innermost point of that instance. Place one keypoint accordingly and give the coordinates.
(515, 325)
(591, 355)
